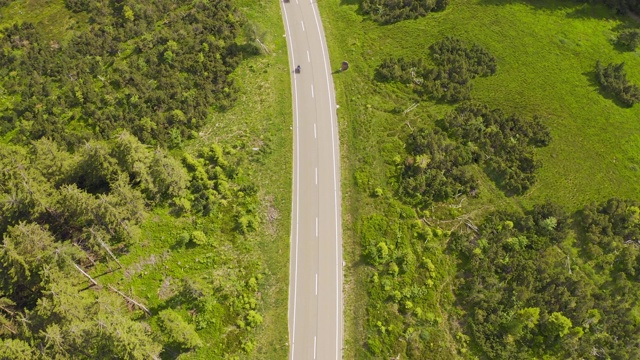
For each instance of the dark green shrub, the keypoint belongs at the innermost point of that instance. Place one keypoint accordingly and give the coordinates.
(392, 11)
(179, 331)
(434, 170)
(450, 81)
(613, 78)
(629, 38)
(503, 143)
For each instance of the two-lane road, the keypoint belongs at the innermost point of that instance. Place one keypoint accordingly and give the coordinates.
(315, 292)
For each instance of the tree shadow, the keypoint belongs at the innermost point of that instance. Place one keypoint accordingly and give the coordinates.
(576, 9)
(359, 10)
(537, 4)
(591, 77)
(352, 2)
(586, 11)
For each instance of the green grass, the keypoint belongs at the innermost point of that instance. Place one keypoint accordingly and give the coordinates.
(261, 117)
(56, 22)
(546, 53)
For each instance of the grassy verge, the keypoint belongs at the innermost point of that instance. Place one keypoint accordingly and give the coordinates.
(546, 53)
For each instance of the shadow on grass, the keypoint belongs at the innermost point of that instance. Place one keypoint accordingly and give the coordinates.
(352, 2)
(576, 10)
(591, 77)
(551, 5)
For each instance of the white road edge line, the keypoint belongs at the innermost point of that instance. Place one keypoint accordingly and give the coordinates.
(315, 131)
(312, 95)
(316, 176)
(302, 22)
(308, 56)
(316, 283)
(314, 346)
(335, 185)
(297, 185)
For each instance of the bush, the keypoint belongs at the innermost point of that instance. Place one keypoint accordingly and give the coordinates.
(629, 38)
(434, 170)
(613, 78)
(503, 142)
(179, 331)
(453, 52)
(450, 81)
(392, 11)
(199, 238)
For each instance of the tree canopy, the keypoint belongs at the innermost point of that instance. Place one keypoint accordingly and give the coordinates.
(155, 68)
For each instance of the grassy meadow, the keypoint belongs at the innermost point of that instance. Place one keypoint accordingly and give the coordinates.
(546, 52)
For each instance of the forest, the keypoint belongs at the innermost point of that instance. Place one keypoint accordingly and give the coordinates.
(528, 299)
(95, 130)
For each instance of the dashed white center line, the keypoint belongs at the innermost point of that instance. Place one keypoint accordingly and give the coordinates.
(314, 347)
(315, 131)
(316, 176)
(316, 283)
(308, 56)
(312, 95)
(316, 227)
(302, 22)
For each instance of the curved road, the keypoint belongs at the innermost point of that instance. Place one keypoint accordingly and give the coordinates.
(315, 292)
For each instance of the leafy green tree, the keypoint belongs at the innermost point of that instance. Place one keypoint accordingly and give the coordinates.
(87, 326)
(12, 349)
(170, 179)
(27, 251)
(179, 331)
(133, 158)
(558, 324)
(52, 162)
(96, 168)
(526, 318)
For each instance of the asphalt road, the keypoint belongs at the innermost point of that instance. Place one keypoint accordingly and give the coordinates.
(315, 292)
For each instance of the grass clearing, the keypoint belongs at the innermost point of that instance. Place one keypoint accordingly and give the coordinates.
(546, 53)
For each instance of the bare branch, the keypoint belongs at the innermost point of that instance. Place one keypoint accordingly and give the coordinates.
(144, 308)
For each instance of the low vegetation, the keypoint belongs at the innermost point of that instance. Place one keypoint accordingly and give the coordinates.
(535, 293)
(455, 249)
(450, 81)
(629, 39)
(392, 11)
(613, 79)
(132, 219)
